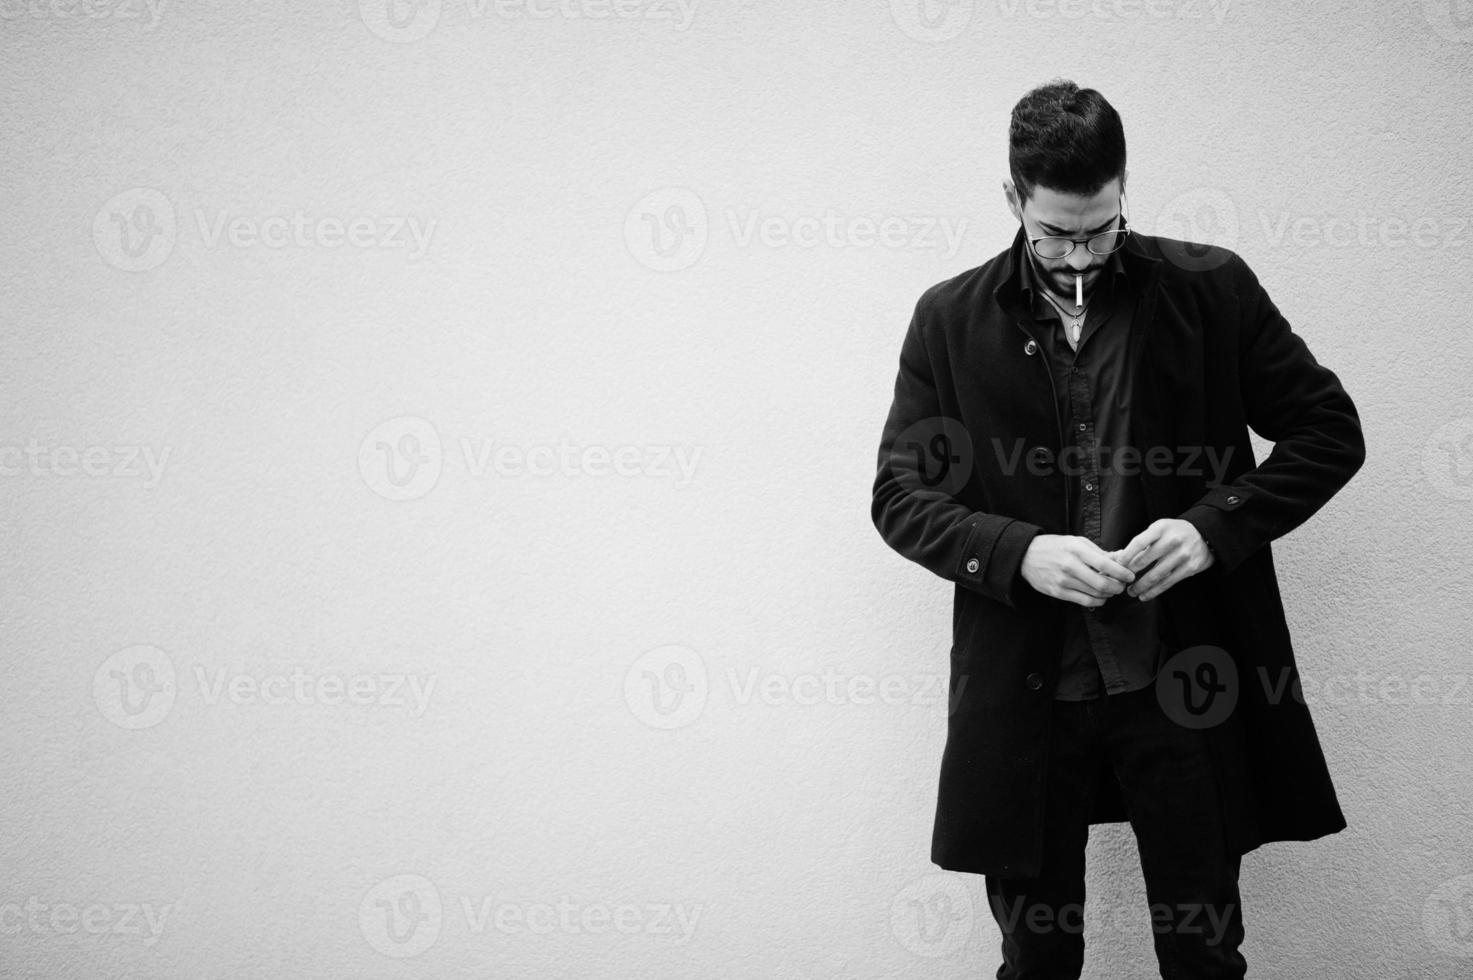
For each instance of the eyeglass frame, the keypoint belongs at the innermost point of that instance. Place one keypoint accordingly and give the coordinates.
(1123, 231)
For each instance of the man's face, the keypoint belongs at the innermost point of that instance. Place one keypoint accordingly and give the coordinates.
(1051, 212)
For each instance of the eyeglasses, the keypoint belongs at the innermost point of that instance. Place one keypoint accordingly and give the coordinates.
(1055, 247)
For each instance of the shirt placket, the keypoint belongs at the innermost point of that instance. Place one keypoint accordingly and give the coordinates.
(1091, 515)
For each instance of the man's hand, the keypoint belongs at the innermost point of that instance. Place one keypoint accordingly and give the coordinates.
(1073, 568)
(1171, 549)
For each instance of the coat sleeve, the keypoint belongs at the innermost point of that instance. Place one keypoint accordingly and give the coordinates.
(926, 523)
(1290, 398)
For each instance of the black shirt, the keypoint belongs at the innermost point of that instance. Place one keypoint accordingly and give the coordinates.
(1117, 647)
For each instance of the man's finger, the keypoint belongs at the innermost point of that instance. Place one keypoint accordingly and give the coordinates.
(1141, 544)
(1105, 563)
(1160, 579)
(1085, 579)
(1079, 598)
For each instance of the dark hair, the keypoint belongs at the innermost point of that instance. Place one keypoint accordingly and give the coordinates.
(1065, 138)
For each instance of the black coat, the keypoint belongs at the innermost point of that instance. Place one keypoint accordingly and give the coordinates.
(967, 477)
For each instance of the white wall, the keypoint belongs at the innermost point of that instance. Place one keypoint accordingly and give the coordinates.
(261, 816)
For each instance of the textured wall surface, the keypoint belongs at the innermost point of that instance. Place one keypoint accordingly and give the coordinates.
(437, 442)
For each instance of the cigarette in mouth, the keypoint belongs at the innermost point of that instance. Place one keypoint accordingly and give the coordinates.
(1078, 290)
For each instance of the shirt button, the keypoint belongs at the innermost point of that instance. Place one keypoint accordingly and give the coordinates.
(1030, 348)
(973, 565)
(1232, 499)
(1082, 426)
(1034, 681)
(1089, 486)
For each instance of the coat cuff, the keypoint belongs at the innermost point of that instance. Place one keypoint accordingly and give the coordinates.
(1215, 518)
(993, 557)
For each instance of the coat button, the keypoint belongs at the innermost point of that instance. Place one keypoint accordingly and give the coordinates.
(1034, 681)
(973, 565)
(1232, 500)
(1030, 348)
(1041, 455)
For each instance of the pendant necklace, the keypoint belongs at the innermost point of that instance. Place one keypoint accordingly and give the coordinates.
(1076, 320)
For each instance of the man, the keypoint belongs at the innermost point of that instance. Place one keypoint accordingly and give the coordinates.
(1069, 444)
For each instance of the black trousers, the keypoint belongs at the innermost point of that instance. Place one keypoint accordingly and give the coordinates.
(1165, 778)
